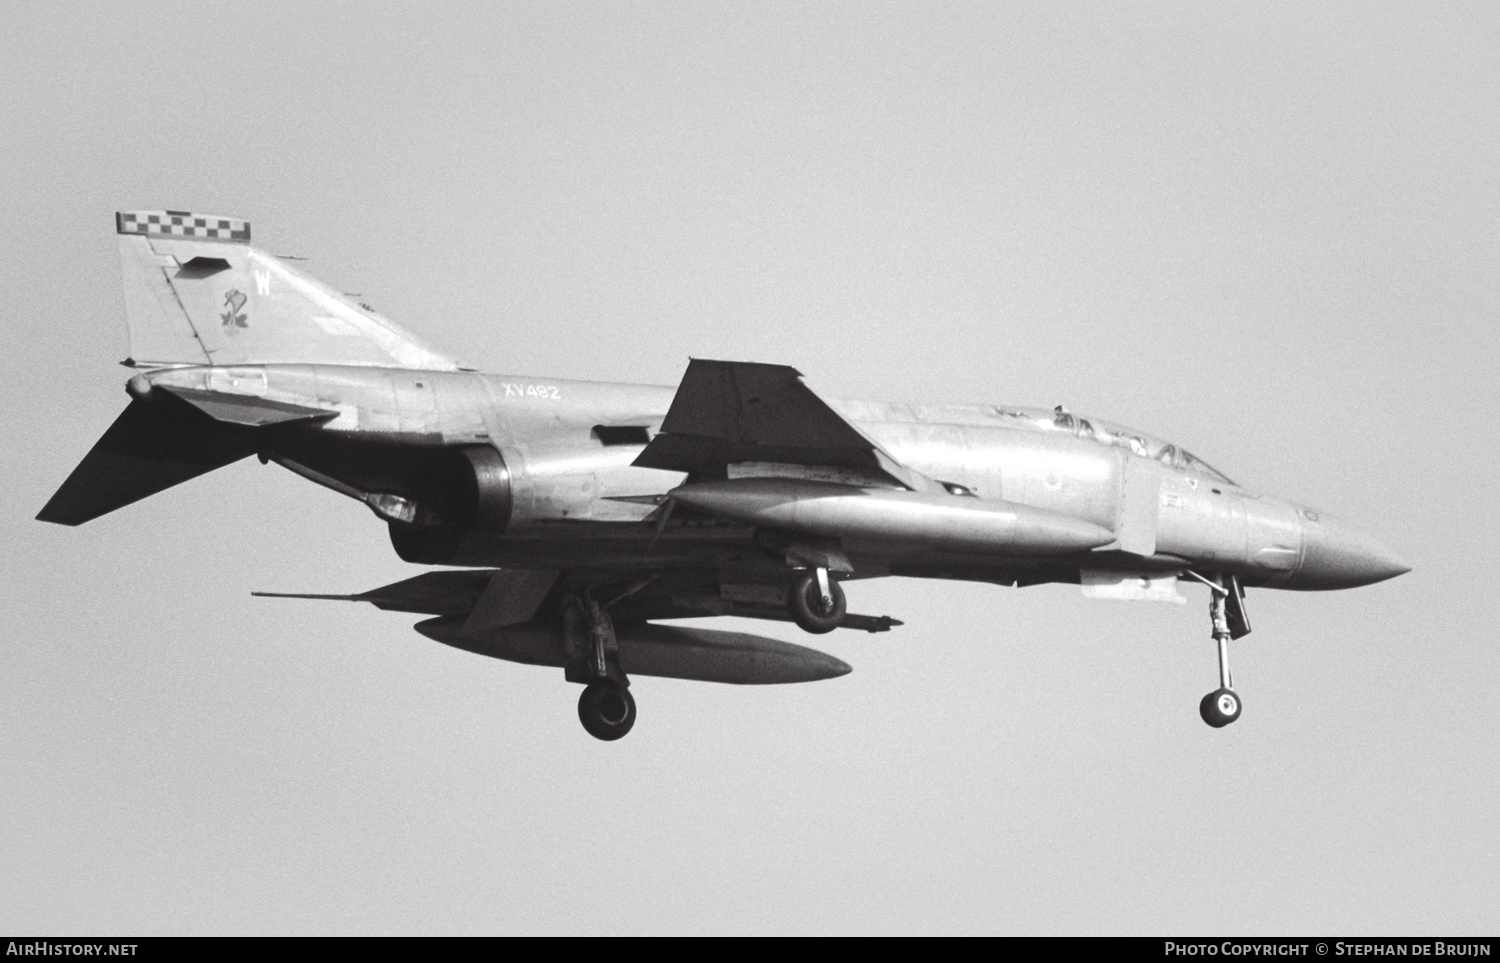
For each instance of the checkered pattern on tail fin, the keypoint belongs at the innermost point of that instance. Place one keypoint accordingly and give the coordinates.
(181, 224)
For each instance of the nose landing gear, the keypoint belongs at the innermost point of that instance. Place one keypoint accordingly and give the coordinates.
(1219, 708)
(1226, 609)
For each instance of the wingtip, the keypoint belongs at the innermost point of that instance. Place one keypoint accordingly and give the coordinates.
(52, 516)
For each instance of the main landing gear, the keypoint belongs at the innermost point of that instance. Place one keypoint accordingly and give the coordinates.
(817, 603)
(592, 656)
(1226, 608)
(607, 710)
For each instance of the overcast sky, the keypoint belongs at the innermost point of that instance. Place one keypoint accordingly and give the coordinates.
(1266, 232)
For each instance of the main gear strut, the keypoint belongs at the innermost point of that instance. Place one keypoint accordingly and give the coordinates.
(816, 601)
(591, 655)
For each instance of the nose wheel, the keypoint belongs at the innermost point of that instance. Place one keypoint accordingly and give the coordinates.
(1219, 708)
(1226, 609)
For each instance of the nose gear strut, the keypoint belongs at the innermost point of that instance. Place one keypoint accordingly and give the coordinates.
(1226, 609)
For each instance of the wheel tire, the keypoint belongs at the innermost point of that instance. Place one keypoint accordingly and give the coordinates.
(607, 710)
(806, 604)
(1220, 707)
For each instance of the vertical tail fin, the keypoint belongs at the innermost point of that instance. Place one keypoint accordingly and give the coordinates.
(196, 292)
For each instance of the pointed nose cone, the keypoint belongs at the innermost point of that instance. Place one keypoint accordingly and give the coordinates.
(1337, 555)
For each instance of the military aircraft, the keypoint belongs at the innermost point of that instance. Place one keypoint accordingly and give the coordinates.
(576, 517)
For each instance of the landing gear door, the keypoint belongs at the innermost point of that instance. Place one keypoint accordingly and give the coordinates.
(1235, 612)
(1140, 494)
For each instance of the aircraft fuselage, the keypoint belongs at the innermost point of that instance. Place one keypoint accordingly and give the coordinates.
(567, 448)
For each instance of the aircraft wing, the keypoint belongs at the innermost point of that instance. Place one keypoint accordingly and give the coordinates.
(489, 599)
(728, 412)
(431, 593)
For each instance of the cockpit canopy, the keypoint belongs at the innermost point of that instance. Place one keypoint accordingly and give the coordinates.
(1117, 436)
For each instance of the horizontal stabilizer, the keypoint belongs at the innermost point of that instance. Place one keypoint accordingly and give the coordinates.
(246, 410)
(145, 451)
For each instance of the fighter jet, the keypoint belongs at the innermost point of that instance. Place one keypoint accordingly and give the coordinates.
(579, 523)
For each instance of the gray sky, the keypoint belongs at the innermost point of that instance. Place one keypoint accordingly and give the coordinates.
(1267, 232)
